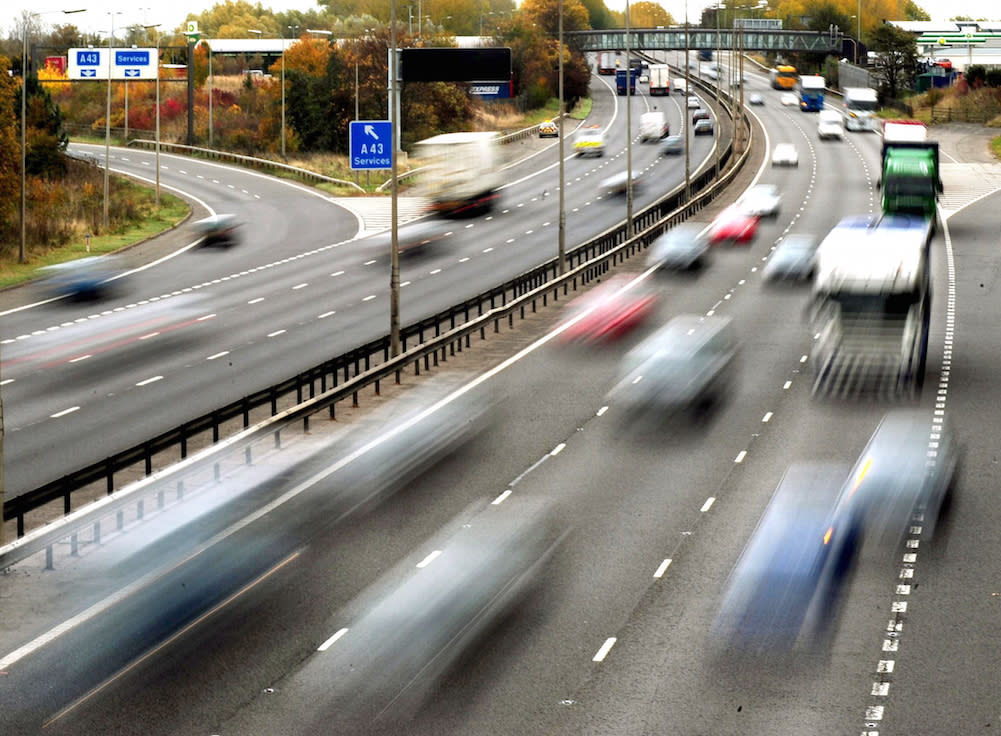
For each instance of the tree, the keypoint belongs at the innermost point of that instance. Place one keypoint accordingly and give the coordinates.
(598, 16)
(46, 138)
(10, 161)
(913, 11)
(544, 14)
(646, 14)
(896, 58)
(823, 15)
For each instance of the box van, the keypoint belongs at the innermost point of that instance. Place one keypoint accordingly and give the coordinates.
(685, 365)
(830, 125)
(653, 126)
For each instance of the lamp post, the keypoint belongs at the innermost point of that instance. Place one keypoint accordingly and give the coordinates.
(22, 250)
(858, 29)
(562, 242)
(107, 119)
(629, 134)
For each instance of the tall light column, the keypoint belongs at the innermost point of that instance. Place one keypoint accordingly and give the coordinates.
(394, 269)
(684, 117)
(858, 29)
(208, 45)
(629, 133)
(293, 29)
(562, 241)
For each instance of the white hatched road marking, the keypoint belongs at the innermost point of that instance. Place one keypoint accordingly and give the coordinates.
(374, 212)
(963, 183)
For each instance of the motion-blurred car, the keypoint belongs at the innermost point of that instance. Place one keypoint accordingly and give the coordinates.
(788, 98)
(684, 246)
(402, 439)
(548, 129)
(830, 125)
(694, 102)
(616, 183)
(218, 230)
(907, 468)
(679, 85)
(590, 142)
(94, 277)
(703, 127)
(785, 154)
(686, 365)
(673, 145)
(733, 226)
(609, 311)
(414, 624)
(756, 98)
(411, 237)
(786, 584)
(761, 200)
(794, 258)
(700, 114)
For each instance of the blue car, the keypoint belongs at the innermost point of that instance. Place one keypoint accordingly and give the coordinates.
(785, 588)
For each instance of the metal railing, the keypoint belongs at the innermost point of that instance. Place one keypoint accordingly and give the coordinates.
(344, 376)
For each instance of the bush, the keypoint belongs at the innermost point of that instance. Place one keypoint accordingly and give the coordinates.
(993, 77)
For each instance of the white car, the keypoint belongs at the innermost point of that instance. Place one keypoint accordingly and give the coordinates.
(694, 102)
(788, 98)
(679, 85)
(785, 154)
(757, 99)
(761, 200)
(830, 124)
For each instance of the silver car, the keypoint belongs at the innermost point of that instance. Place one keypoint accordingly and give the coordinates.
(761, 200)
(686, 365)
(680, 248)
(794, 258)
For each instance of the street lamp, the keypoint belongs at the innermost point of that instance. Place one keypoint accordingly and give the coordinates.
(21, 253)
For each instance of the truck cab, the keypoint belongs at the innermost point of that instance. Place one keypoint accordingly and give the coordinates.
(911, 179)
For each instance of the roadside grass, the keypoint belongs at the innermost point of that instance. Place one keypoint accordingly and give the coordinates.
(172, 211)
(996, 147)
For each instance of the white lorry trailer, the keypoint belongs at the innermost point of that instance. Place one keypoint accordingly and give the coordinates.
(461, 172)
(871, 306)
(660, 79)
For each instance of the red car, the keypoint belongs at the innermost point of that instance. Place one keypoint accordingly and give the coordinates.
(733, 226)
(606, 312)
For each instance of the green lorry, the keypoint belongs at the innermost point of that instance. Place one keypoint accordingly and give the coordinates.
(911, 176)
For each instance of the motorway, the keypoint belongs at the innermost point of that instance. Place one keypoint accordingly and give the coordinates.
(206, 328)
(225, 640)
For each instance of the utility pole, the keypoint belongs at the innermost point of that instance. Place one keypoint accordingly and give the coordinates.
(562, 243)
(394, 270)
(629, 134)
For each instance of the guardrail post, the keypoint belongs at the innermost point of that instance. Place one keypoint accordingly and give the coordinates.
(149, 461)
(120, 520)
(140, 509)
(97, 532)
(305, 423)
(246, 414)
(184, 445)
(159, 499)
(216, 472)
(180, 490)
(48, 558)
(74, 547)
(215, 428)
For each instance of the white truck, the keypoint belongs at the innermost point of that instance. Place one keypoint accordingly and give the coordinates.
(871, 306)
(859, 104)
(653, 126)
(660, 79)
(461, 176)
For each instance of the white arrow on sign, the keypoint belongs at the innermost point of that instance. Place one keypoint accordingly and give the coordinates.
(369, 130)
(131, 72)
(88, 72)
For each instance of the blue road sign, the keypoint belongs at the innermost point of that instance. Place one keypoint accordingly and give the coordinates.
(371, 144)
(132, 57)
(131, 73)
(88, 58)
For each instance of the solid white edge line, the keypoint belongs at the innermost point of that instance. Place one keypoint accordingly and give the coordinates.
(429, 559)
(605, 649)
(500, 499)
(329, 642)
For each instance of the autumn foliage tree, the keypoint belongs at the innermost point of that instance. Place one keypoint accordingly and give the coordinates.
(10, 164)
(646, 14)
